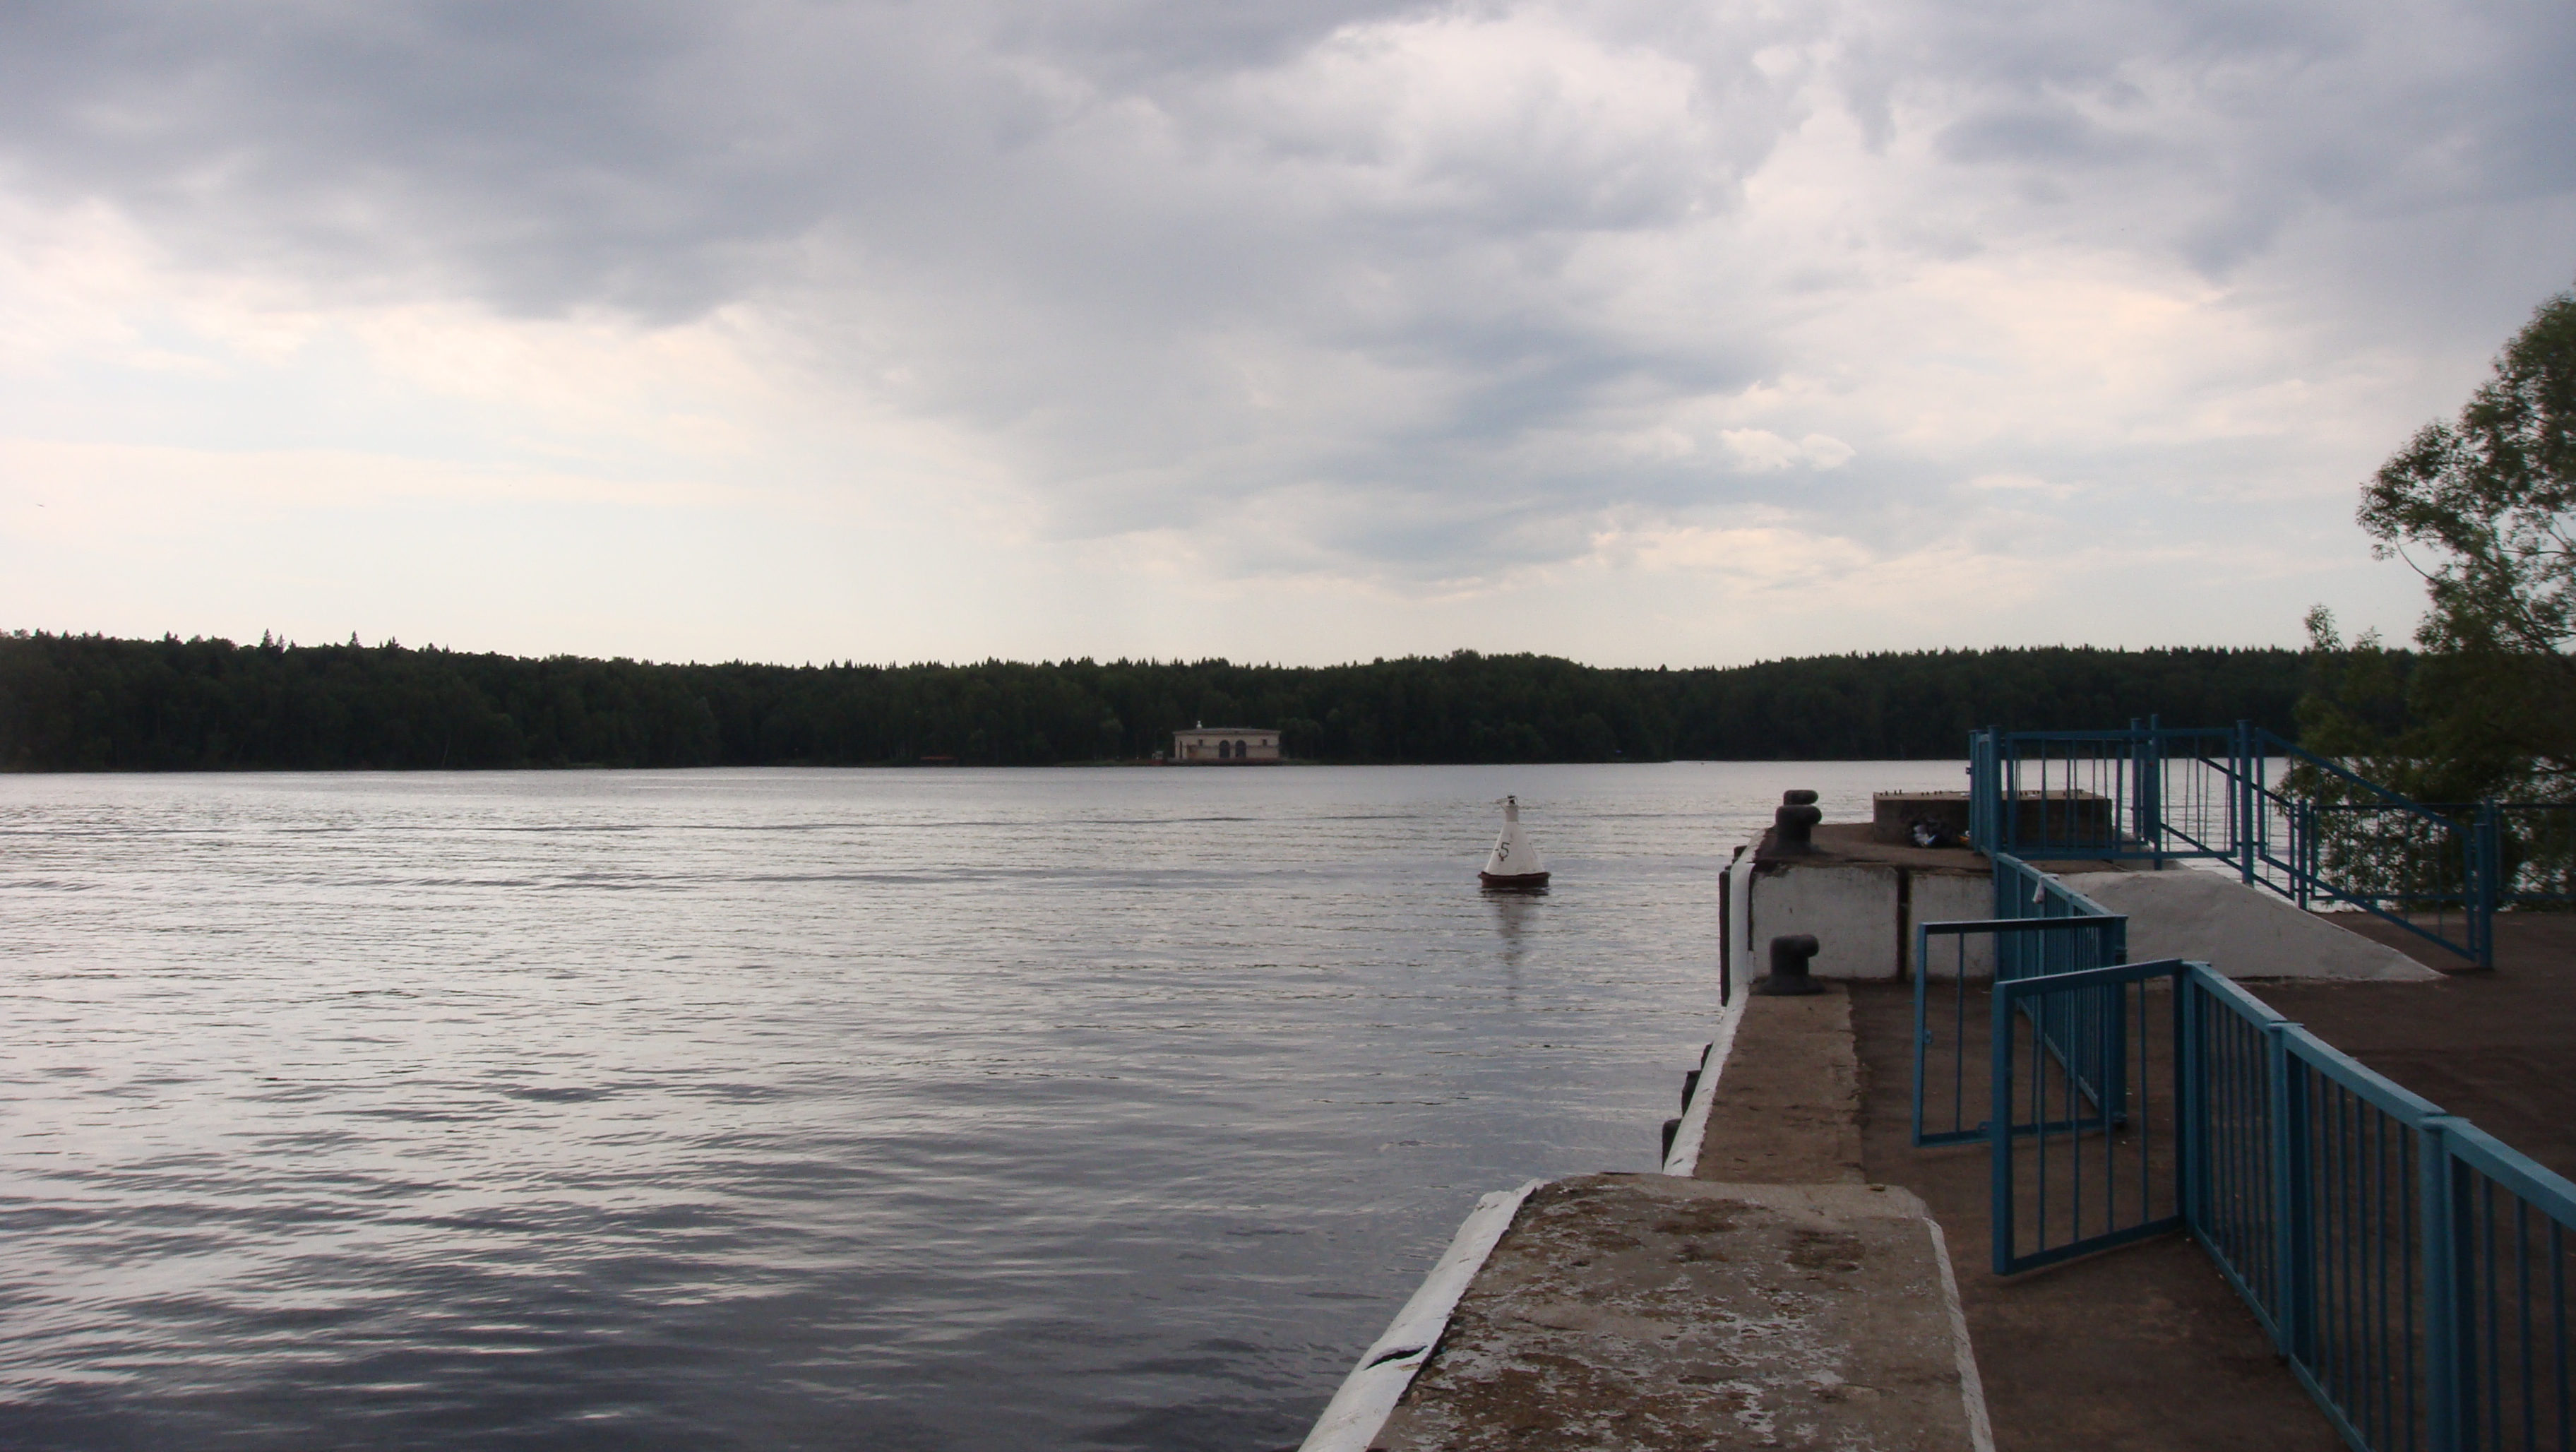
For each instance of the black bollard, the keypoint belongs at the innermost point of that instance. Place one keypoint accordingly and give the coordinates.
(1792, 826)
(1798, 797)
(1788, 977)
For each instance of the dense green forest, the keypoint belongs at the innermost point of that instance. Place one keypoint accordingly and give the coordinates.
(89, 703)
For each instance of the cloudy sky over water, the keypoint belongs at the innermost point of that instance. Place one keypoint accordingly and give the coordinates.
(1636, 332)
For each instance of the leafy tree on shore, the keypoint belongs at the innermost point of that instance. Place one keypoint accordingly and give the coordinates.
(2492, 498)
(2485, 509)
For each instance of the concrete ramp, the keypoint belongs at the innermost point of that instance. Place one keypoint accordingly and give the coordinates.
(2243, 932)
(1651, 1311)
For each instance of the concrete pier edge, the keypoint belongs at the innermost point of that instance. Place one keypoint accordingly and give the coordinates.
(1359, 1408)
(1642, 1311)
(1352, 1419)
(1972, 1387)
(1684, 1155)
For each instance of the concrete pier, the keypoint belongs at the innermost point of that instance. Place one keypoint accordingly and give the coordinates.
(1788, 1282)
(1645, 1311)
(1774, 1299)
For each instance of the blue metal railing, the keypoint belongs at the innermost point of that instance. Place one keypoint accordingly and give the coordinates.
(2410, 1267)
(2064, 1043)
(2154, 792)
(2040, 926)
(1949, 1055)
(2023, 892)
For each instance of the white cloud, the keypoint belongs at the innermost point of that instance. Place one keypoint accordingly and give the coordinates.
(1759, 451)
(1413, 303)
(2021, 484)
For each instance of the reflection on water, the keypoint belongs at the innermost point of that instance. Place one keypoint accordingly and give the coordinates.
(887, 1109)
(1513, 910)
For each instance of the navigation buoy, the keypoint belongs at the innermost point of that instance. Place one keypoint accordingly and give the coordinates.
(1514, 863)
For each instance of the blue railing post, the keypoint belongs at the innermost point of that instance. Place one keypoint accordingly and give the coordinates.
(1999, 1137)
(2448, 1332)
(2151, 790)
(1922, 997)
(1982, 827)
(2258, 798)
(2303, 841)
(2292, 1262)
(2249, 799)
(2007, 794)
(2191, 1104)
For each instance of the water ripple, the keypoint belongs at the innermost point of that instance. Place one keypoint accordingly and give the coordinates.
(897, 1109)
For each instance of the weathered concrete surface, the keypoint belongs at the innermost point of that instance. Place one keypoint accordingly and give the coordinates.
(1648, 1311)
(1860, 897)
(1849, 906)
(1952, 897)
(1787, 1108)
(2243, 932)
(1854, 842)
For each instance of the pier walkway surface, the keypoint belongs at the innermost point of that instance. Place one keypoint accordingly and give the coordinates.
(2498, 1048)
(2146, 1346)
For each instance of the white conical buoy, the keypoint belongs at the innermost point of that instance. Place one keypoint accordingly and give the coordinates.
(1514, 863)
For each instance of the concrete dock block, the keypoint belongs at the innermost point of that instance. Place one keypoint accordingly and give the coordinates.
(1648, 1311)
(1850, 907)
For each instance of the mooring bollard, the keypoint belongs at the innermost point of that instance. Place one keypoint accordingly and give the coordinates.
(1788, 977)
(1794, 823)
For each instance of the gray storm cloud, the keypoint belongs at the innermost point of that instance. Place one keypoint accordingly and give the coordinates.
(1435, 291)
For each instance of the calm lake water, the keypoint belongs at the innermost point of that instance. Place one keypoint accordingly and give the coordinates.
(771, 1109)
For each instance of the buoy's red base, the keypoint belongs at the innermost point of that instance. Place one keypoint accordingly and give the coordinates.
(1513, 879)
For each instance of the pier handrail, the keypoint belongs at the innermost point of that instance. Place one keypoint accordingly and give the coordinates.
(2153, 792)
(2411, 1268)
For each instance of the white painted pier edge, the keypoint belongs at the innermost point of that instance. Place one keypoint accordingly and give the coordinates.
(1352, 1419)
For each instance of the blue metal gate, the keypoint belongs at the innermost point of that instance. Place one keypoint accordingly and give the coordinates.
(1950, 1050)
(2081, 1136)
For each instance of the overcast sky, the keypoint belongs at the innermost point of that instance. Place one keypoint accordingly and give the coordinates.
(1636, 332)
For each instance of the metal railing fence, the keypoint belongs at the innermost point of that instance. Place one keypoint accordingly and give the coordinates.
(1950, 1046)
(2080, 1137)
(2024, 893)
(2410, 1267)
(2429, 867)
(2154, 792)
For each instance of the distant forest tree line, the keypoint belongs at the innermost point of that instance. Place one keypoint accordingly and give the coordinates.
(90, 703)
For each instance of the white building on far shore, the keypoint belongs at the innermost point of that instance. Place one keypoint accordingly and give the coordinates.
(1225, 745)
